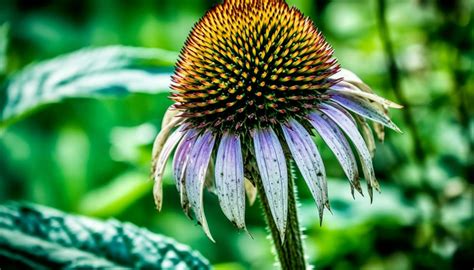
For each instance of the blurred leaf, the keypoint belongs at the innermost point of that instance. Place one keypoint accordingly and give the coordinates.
(3, 47)
(92, 72)
(228, 266)
(126, 141)
(37, 237)
(349, 212)
(116, 196)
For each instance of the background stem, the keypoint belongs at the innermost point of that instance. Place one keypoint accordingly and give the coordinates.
(395, 80)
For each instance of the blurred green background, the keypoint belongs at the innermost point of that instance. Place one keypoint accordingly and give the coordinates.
(92, 157)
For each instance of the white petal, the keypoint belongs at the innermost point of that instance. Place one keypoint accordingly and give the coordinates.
(352, 132)
(271, 164)
(346, 87)
(308, 160)
(195, 172)
(337, 142)
(160, 164)
(364, 108)
(229, 175)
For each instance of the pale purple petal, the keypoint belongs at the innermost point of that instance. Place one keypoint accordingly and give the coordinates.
(271, 164)
(308, 160)
(229, 175)
(337, 142)
(195, 173)
(160, 165)
(352, 82)
(342, 110)
(179, 165)
(364, 108)
(352, 132)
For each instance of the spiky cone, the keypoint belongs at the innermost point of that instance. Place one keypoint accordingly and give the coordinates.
(254, 83)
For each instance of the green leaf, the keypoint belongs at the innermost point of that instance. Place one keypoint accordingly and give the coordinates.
(3, 47)
(113, 198)
(36, 237)
(92, 72)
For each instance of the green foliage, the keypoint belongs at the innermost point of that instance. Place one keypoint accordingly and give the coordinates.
(93, 72)
(3, 47)
(40, 238)
(115, 196)
(92, 156)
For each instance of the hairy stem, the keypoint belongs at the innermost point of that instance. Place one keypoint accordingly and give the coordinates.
(290, 252)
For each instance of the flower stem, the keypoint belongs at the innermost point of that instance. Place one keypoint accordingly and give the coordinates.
(290, 252)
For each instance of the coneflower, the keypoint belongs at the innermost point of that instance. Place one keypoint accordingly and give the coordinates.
(254, 83)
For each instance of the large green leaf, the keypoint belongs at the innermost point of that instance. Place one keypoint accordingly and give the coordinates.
(36, 237)
(115, 70)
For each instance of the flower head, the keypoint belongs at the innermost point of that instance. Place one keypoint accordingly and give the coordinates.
(254, 82)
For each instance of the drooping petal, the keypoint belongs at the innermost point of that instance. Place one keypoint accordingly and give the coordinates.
(351, 130)
(229, 175)
(195, 173)
(271, 164)
(367, 134)
(353, 82)
(379, 131)
(171, 116)
(180, 162)
(342, 110)
(364, 108)
(337, 142)
(345, 87)
(352, 78)
(251, 191)
(160, 164)
(161, 139)
(308, 160)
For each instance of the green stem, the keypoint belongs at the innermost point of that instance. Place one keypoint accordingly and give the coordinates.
(395, 80)
(290, 252)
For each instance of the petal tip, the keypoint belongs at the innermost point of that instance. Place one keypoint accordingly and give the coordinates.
(210, 237)
(395, 105)
(158, 207)
(158, 195)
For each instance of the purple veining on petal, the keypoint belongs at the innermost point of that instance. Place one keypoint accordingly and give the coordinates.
(179, 165)
(344, 86)
(196, 169)
(271, 164)
(337, 142)
(352, 132)
(163, 156)
(364, 108)
(342, 110)
(229, 175)
(308, 160)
